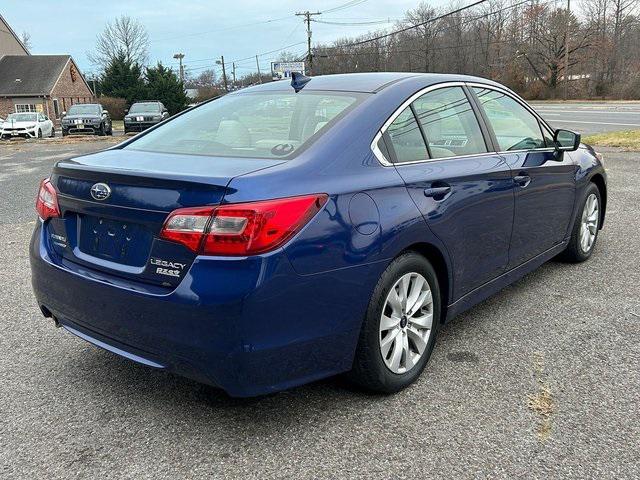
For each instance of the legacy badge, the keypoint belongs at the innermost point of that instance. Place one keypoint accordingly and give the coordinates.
(165, 267)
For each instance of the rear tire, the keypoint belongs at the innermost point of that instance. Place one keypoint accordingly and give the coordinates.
(410, 327)
(53, 133)
(584, 233)
(39, 133)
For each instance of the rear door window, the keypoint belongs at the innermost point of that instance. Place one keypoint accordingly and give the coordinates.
(449, 123)
(515, 127)
(406, 140)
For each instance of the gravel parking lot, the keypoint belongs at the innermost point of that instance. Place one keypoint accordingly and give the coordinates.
(540, 381)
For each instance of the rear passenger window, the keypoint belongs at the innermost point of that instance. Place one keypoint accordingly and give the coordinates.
(406, 139)
(515, 127)
(449, 123)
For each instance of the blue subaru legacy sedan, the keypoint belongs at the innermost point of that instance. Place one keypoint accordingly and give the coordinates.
(297, 230)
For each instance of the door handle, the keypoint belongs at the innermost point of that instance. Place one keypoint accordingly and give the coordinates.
(438, 193)
(522, 180)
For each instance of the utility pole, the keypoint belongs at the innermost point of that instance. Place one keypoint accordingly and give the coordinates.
(258, 66)
(234, 73)
(179, 57)
(566, 52)
(307, 19)
(224, 73)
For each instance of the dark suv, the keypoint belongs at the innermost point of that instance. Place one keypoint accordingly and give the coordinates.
(143, 115)
(90, 118)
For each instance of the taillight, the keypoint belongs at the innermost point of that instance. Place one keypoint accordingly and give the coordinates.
(243, 228)
(47, 201)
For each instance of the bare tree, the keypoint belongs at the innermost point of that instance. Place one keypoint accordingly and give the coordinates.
(288, 57)
(126, 37)
(205, 79)
(25, 38)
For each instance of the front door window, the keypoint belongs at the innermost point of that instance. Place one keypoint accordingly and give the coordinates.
(515, 127)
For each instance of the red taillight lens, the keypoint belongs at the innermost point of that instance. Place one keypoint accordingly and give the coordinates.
(47, 201)
(241, 229)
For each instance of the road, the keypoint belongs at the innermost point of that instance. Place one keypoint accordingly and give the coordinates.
(71, 410)
(591, 117)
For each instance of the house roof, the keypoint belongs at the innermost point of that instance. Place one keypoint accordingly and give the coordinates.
(9, 31)
(30, 74)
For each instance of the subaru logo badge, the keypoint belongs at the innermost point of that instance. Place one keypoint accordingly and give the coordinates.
(100, 191)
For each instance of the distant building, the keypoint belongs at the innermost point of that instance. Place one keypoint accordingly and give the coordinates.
(37, 83)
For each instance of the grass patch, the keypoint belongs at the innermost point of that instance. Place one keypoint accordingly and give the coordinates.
(117, 124)
(627, 139)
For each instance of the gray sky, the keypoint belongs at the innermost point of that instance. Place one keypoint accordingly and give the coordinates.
(200, 29)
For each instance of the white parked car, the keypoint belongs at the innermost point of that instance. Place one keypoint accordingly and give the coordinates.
(27, 125)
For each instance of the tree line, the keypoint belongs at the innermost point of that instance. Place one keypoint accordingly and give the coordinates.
(521, 44)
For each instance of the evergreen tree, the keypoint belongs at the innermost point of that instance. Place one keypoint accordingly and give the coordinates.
(164, 85)
(123, 79)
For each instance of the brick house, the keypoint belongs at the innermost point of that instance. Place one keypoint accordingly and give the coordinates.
(37, 83)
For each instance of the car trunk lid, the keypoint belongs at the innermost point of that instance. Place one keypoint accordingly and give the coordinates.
(116, 228)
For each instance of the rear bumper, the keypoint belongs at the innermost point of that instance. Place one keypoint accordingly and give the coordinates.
(250, 326)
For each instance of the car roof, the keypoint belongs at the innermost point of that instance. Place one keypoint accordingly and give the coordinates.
(366, 82)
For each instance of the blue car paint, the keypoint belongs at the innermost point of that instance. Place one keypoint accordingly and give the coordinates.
(254, 325)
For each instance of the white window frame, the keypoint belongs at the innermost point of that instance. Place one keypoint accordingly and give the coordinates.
(31, 108)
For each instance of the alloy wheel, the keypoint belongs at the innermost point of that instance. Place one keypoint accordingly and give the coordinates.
(589, 223)
(405, 323)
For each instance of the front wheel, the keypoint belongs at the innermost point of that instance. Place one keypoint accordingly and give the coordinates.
(400, 327)
(585, 227)
(39, 133)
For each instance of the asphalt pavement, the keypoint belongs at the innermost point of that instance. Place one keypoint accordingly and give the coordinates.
(540, 381)
(590, 117)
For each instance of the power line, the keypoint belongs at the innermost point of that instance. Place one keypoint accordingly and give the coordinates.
(269, 52)
(232, 27)
(411, 27)
(439, 17)
(344, 6)
(353, 24)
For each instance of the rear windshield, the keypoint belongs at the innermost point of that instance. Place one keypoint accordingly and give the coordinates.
(265, 125)
(79, 109)
(144, 107)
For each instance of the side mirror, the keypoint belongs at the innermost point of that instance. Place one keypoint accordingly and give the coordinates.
(126, 110)
(566, 140)
(64, 114)
(105, 113)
